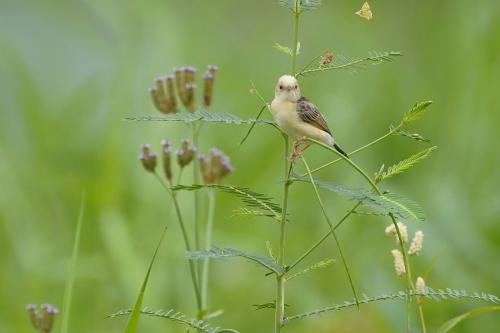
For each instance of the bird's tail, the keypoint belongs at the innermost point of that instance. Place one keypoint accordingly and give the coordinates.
(337, 148)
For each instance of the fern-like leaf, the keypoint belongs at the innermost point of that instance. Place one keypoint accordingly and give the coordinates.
(403, 165)
(429, 293)
(387, 203)
(223, 253)
(321, 264)
(416, 111)
(214, 117)
(250, 198)
(413, 136)
(302, 5)
(175, 316)
(446, 327)
(343, 62)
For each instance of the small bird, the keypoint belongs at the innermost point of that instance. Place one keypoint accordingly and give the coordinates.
(298, 117)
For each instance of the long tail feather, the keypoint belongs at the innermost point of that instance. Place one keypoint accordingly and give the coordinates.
(340, 150)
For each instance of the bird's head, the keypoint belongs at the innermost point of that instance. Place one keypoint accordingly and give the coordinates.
(287, 89)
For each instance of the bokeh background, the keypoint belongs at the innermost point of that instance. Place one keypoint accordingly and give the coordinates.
(70, 71)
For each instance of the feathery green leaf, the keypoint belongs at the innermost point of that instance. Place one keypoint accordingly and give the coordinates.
(430, 293)
(223, 253)
(446, 327)
(387, 203)
(178, 317)
(413, 136)
(416, 111)
(215, 117)
(321, 264)
(133, 321)
(250, 198)
(403, 165)
(303, 5)
(269, 305)
(351, 64)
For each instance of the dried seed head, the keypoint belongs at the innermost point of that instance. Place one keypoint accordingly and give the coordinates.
(35, 317)
(416, 244)
(148, 158)
(403, 230)
(186, 153)
(212, 69)
(216, 167)
(49, 312)
(326, 59)
(166, 154)
(171, 93)
(180, 84)
(189, 74)
(208, 87)
(399, 264)
(420, 285)
(190, 88)
(155, 98)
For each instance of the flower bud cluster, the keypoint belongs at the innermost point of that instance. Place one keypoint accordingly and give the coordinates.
(148, 158)
(43, 319)
(183, 80)
(215, 167)
(186, 153)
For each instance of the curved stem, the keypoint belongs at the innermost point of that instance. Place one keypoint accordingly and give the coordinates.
(327, 218)
(208, 245)
(354, 165)
(355, 151)
(280, 280)
(182, 226)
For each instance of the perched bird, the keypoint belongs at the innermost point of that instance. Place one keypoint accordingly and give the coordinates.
(297, 116)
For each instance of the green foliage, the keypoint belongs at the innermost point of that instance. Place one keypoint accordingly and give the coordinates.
(269, 305)
(430, 293)
(446, 327)
(68, 290)
(200, 325)
(413, 136)
(223, 253)
(286, 49)
(215, 117)
(388, 203)
(250, 198)
(416, 111)
(403, 165)
(133, 321)
(321, 264)
(300, 5)
(351, 64)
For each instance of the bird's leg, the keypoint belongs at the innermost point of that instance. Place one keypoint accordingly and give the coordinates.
(299, 146)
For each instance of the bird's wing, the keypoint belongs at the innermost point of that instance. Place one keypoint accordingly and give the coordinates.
(309, 113)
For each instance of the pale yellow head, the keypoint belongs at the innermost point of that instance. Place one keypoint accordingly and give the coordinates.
(287, 89)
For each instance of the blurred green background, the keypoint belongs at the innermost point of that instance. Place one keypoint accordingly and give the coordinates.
(70, 71)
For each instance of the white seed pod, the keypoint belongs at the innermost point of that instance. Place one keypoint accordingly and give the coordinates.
(416, 244)
(399, 263)
(403, 230)
(420, 285)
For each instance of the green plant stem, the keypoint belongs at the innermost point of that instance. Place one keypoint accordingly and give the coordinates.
(295, 36)
(280, 280)
(182, 226)
(368, 145)
(208, 245)
(411, 286)
(196, 180)
(327, 218)
(68, 290)
(324, 237)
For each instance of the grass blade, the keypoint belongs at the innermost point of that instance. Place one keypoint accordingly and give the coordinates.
(133, 321)
(446, 327)
(68, 290)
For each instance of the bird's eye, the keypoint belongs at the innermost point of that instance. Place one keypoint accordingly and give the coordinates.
(295, 87)
(281, 87)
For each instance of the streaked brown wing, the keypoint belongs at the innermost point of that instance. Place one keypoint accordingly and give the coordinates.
(309, 113)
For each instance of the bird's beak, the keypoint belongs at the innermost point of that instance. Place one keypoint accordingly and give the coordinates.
(288, 88)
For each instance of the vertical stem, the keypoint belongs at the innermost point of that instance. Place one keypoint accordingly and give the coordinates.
(208, 245)
(192, 268)
(296, 36)
(196, 180)
(280, 280)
